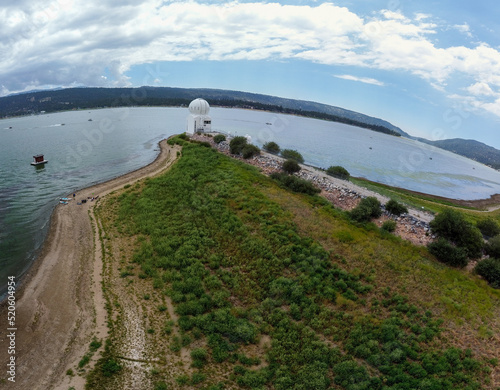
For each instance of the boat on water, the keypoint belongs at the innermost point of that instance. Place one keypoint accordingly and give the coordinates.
(39, 160)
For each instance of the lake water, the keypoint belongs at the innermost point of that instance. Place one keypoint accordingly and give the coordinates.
(82, 152)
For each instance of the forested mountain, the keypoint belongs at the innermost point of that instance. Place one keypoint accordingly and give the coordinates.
(84, 98)
(470, 148)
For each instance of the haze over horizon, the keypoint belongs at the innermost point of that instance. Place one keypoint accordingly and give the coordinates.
(432, 69)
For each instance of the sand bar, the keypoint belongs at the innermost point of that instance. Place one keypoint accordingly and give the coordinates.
(59, 307)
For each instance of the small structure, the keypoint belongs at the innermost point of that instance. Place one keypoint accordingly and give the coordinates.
(198, 119)
(38, 160)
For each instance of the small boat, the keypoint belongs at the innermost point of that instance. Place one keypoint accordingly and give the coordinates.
(63, 202)
(39, 160)
(90, 120)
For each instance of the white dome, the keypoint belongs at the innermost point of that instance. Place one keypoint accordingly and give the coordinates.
(199, 107)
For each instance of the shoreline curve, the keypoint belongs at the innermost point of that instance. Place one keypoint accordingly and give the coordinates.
(57, 298)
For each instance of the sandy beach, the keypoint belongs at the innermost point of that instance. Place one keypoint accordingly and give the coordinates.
(59, 306)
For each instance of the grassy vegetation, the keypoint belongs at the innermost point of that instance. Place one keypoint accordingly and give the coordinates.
(245, 261)
(418, 201)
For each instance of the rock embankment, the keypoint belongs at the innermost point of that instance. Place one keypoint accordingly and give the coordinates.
(413, 226)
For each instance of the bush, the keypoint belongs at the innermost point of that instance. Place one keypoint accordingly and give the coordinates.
(489, 269)
(395, 208)
(488, 227)
(338, 172)
(237, 144)
(296, 183)
(367, 209)
(290, 166)
(448, 253)
(493, 247)
(219, 138)
(271, 147)
(451, 224)
(389, 226)
(249, 151)
(292, 154)
(199, 354)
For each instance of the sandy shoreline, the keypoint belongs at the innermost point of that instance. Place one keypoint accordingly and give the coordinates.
(59, 303)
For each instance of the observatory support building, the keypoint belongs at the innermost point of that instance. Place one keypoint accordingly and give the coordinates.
(198, 119)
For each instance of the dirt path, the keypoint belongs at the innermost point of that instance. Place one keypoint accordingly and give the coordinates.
(60, 305)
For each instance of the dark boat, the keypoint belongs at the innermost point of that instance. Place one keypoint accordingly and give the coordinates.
(38, 160)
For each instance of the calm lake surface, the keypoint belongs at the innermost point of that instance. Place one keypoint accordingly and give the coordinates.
(86, 147)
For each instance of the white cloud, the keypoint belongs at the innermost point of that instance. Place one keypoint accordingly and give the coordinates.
(366, 80)
(464, 29)
(71, 41)
(480, 89)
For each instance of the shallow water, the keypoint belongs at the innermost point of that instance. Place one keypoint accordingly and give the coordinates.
(82, 152)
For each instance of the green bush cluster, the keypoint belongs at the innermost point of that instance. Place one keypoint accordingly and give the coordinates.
(219, 138)
(237, 144)
(389, 226)
(295, 184)
(271, 147)
(395, 208)
(489, 269)
(488, 227)
(290, 166)
(249, 151)
(367, 209)
(240, 146)
(492, 247)
(463, 238)
(292, 154)
(338, 172)
(448, 253)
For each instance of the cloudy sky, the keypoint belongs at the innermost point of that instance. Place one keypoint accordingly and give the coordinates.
(431, 67)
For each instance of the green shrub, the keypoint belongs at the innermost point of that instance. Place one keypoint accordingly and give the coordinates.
(338, 172)
(271, 147)
(295, 184)
(290, 166)
(395, 208)
(366, 210)
(488, 227)
(448, 253)
(489, 269)
(199, 354)
(292, 154)
(237, 144)
(219, 138)
(110, 367)
(160, 386)
(85, 359)
(95, 344)
(249, 151)
(493, 247)
(451, 224)
(197, 377)
(389, 226)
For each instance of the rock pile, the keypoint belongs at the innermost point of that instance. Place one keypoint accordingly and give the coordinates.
(342, 194)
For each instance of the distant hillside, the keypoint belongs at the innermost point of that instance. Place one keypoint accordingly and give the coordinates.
(73, 98)
(469, 148)
(86, 98)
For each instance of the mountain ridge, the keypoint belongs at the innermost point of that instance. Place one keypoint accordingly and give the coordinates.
(27, 103)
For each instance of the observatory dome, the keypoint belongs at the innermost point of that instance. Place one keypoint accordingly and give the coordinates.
(199, 107)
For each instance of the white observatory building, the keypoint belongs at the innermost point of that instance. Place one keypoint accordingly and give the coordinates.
(198, 119)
